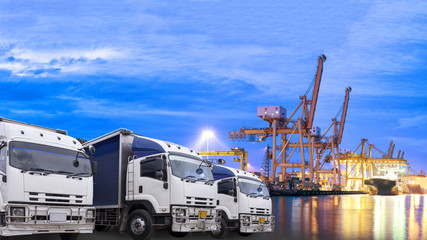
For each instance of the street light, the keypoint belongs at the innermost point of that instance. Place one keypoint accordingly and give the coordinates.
(207, 134)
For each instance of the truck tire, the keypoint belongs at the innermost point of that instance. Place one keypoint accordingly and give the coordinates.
(221, 232)
(139, 225)
(68, 236)
(243, 234)
(178, 234)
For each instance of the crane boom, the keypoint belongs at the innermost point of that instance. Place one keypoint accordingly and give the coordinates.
(320, 60)
(344, 114)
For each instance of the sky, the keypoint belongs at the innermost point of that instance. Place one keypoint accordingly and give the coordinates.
(171, 69)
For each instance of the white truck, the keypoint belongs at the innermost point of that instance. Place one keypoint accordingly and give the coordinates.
(244, 203)
(144, 184)
(46, 183)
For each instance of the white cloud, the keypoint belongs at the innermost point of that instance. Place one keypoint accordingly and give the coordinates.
(47, 63)
(33, 112)
(262, 48)
(104, 108)
(412, 122)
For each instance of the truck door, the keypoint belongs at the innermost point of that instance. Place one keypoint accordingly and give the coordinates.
(227, 196)
(152, 182)
(3, 178)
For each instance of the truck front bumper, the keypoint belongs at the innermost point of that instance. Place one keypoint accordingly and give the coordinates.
(193, 219)
(23, 219)
(256, 223)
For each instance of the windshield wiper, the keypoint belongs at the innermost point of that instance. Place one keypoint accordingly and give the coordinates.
(59, 172)
(40, 170)
(78, 174)
(189, 178)
(253, 194)
(210, 182)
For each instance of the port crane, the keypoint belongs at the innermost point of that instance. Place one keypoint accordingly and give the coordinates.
(361, 165)
(279, 123)
(327, 149)
(240, 153)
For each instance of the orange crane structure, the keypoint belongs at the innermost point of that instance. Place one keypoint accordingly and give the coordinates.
(321, 149)
(287, 127)
(327, 149)
(361, 165)
(238, 152)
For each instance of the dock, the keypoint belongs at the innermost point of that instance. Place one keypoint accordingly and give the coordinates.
(312, 192)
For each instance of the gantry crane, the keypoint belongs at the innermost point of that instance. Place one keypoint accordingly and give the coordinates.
(360, 166)
(280, 124)
(239, 152)
(327, 149)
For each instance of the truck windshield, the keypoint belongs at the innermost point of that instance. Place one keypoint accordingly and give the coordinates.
(186, 167)
(48, 159)
(250, 187)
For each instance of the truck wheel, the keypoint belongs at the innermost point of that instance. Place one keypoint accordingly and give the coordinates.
(68, 236)
(221, 232)
(178, 234)
(139, 225)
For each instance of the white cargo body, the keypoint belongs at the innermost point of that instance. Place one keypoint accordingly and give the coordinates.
(144, 184)
(46, 182)
(243, 201)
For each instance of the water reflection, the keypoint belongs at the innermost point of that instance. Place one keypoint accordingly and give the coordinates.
(351, 217)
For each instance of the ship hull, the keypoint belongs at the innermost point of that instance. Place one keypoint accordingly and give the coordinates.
(379, 186)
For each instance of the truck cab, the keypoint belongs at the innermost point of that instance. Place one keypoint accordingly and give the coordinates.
(243, 201)
(46, 183)
(144, 184)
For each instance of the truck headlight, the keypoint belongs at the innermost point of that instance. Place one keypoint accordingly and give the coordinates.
(17, 211)
(180, 213)
(18, 214)
(90, 213)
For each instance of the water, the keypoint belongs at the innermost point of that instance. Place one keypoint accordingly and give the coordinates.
(325, 217)
(351, 217)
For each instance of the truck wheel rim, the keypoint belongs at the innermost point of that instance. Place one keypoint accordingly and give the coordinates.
(138, 225)
(218, 230)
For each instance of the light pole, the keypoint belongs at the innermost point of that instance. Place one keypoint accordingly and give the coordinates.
(207, 134)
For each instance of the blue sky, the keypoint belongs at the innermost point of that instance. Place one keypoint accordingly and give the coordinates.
(170, 69)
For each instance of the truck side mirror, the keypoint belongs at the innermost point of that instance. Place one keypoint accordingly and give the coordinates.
(92, 150)
(3, 144)
(94, 165)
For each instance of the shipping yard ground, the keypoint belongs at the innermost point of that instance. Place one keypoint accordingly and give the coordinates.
(323, 217)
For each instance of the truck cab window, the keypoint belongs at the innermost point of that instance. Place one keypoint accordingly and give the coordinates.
(227, 187)
(154, 168)
(186, 167)
(31, 156)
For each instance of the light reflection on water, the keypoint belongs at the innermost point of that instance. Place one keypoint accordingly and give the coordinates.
(350, 217)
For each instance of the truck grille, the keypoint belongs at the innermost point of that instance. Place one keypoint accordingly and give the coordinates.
(200, 201)
(260, 211)
(54, 198)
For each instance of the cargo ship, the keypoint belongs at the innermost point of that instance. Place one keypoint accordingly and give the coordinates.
(381, 186)
(389, 184)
